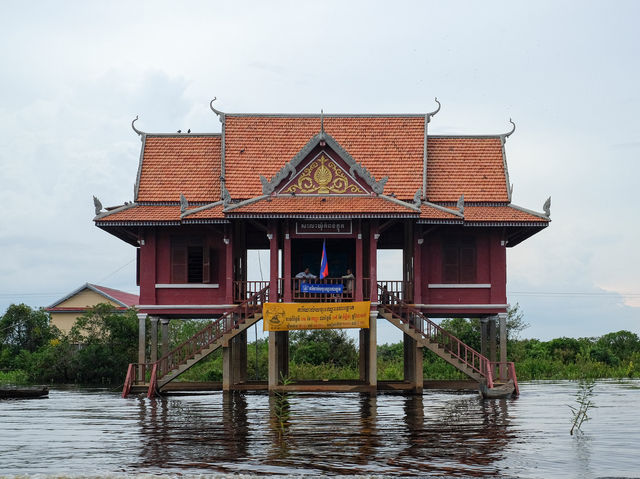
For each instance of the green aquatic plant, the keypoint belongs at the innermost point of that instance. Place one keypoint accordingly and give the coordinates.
(584, 403)
(281, 405)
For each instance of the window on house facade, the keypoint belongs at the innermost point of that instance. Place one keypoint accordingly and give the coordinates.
(459, 260)
(191, 261)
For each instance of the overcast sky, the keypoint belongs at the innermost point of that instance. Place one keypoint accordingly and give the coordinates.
(76, 73)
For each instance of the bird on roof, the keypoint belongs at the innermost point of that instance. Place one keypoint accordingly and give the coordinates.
(179, 131)
(189, 130)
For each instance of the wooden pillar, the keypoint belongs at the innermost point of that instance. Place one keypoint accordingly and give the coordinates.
(273, 262)
(228, 264)
(418, 241)
(164, 322)
(407, 262)
(148, 263)
(373, 259)
(502, 317)
(142, 343)
(359, 270)
(286, 257)
(373, 348)
(154, 339)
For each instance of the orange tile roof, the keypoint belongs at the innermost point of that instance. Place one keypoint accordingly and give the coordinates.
(500, 213)
(187, 164)
(470, 166)
(431, 212)
(323, 205)
(215, 212)
(261, 145)
(144, 213)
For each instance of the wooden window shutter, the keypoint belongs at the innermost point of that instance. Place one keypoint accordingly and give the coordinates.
(213, 265)
(449, 263)
(468, 262)
(178, 261)
(206, 265)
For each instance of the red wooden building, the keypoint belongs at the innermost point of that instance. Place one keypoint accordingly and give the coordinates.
(289, 183)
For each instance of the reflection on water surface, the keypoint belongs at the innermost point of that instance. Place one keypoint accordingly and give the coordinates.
(439, 434)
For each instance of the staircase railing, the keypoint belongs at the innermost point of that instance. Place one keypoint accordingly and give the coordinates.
(435, 333)
(208, 335)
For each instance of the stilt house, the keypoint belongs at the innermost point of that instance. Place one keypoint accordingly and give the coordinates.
(295, 184)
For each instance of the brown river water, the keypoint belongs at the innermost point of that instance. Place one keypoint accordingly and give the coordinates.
(80, 432)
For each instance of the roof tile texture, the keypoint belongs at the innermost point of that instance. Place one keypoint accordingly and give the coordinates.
(429, 212)
(500, 213)
(470, 166)
(145, 213)
(261, 145)
(180, 164)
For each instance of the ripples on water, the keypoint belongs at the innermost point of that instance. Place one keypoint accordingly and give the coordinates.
(80, 432)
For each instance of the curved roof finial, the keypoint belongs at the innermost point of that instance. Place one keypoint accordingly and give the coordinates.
(139, 132)
(507, 135)
(217, 112)
(429, 115)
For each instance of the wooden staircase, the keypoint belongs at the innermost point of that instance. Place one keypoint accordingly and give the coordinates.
(495, 379)
(214, 335)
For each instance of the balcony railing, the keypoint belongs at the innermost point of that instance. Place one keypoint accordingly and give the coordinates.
(387, 290)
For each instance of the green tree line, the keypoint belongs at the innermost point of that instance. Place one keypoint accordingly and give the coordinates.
(103, 342)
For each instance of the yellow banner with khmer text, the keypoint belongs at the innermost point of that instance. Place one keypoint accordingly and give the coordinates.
(292, 316)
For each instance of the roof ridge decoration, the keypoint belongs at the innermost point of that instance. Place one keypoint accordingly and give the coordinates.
(427, 120)
(224, 192)
(535, 213)
(133, 125)
(184, 204)
(97, 204)
(507, 135)
(289, 169)
(547, 207)
(397, 201)
(103, 214)
(460, 204)
(184, 214)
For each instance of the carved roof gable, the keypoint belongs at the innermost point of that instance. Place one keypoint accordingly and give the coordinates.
(356, 178)
(323, 175)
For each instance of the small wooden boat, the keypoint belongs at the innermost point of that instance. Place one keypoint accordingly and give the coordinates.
(498, 391)
(14, 392)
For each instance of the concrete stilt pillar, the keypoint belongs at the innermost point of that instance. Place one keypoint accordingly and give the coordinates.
(164, 324)
(273, 361)
(142, 343)
(363, 360)
(227, 367)
(239, 357)
(154, 339)
(483, 337)
(418, 371)
(502, 317)
(373, 349)
(492, 339)
(409, 358)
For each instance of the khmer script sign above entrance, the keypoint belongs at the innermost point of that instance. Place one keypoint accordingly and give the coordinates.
(324, 227)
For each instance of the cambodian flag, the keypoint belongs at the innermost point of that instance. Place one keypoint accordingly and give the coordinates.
(324, 267)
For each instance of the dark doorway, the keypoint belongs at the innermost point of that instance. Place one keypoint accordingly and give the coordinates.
(307, 253)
